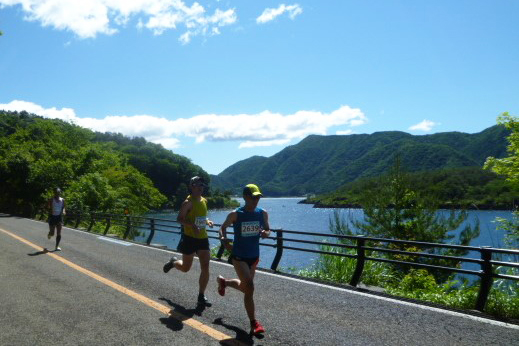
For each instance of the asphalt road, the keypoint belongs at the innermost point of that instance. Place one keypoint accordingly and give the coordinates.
(98, 291)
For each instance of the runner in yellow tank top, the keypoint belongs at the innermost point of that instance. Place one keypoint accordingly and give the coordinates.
(197, 216)
(193, 218)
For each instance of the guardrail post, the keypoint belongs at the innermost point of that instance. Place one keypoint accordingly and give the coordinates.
(361, 259)
(152, 231)
(92, 222)
(279, 251)
(108, 223)
(486, 278)
(219, 254)
(128, 226)
(78, 219)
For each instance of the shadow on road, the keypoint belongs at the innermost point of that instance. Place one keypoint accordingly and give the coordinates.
(180, 313)
(241, 335)
(42, 252)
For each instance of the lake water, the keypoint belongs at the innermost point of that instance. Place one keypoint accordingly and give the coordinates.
(287, 214)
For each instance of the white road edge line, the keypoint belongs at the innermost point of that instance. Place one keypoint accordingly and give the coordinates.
(396, 301)
(117, 241)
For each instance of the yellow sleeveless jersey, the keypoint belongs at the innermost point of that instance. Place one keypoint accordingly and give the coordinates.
(198, 216)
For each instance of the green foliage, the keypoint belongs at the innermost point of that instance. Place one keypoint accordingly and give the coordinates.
(466, 187)
(509, 167)
(393, 210)
(225, 255)
(168, 171)
(320, 164)
(340, 269)
(219, 200)
(419, 284)
(37, 155)
(98, 172)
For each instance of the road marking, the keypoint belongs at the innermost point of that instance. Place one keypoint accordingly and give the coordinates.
(120, 242)
(352, 291)
(143, 299)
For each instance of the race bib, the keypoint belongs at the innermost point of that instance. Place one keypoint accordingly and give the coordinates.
(200, 222)
(250, 228)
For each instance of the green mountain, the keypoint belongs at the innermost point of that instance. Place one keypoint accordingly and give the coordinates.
(458, 188)
(97, 171)
(320, 164)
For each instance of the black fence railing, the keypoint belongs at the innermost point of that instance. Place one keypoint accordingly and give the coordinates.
(364, 248)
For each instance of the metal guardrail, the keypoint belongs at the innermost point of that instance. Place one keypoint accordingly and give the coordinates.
(361, 245)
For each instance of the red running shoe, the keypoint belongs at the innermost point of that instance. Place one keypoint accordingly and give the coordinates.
(221, 285)
(256, 328)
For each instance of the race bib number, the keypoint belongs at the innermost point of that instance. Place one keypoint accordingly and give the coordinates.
(250, 228)
(200, 222)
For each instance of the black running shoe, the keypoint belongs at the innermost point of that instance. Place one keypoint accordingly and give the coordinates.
(202, 299)
(167, 267)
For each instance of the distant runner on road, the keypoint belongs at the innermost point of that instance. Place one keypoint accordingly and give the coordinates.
(193, 218)
(56, 207)
(249, 223)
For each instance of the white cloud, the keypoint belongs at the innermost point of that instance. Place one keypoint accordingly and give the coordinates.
(270, 14)
(344, 132)
(87, 19)
(66, 114)
(425, 125)
(251, 130)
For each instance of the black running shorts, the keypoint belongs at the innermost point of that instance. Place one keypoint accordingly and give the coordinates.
(250, 261)
(55, 220)
(189, 245)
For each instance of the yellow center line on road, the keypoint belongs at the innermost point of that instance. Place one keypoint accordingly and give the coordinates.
(151, 303)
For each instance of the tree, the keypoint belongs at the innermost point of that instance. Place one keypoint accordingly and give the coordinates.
(509, 167)
(393, 210)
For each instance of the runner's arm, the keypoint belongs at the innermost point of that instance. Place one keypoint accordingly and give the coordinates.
(181, 218)
(266, 231)
(222, 232)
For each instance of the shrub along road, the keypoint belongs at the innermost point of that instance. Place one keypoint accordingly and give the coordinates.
(97, 291)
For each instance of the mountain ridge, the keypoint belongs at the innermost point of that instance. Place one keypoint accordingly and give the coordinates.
(320, 164)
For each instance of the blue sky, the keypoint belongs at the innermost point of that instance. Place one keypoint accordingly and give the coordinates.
(220, 81)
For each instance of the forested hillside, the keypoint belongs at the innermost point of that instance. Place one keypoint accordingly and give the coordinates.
(98, 172)
(459, 188)
(320, 164)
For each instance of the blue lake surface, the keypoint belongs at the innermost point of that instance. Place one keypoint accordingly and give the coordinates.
(287, 214)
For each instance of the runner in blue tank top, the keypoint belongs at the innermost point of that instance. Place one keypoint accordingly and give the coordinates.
(250, 223)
